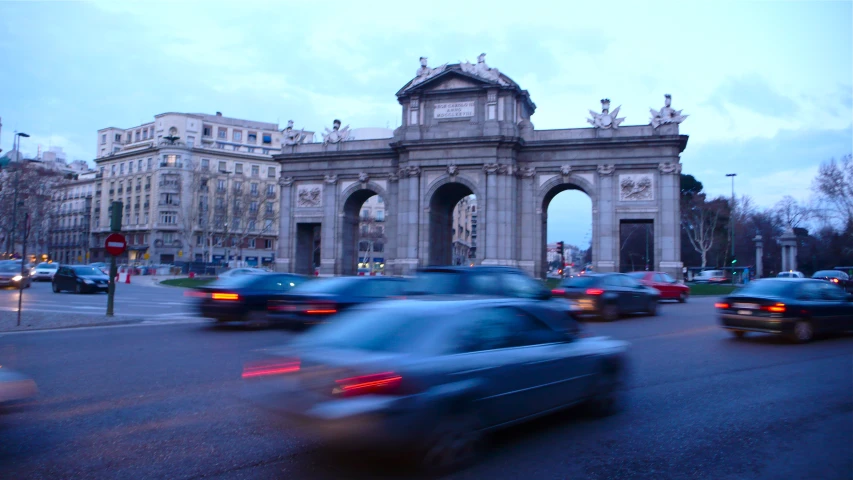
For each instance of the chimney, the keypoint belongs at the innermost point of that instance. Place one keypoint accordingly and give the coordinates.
(218, 114)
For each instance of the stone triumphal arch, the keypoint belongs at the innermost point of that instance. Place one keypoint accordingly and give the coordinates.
(466, 130)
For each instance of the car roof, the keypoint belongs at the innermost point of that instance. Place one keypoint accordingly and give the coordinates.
(441, 304)
(468, 268)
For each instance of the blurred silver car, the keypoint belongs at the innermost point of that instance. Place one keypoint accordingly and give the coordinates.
(45, 271)
(432, 376)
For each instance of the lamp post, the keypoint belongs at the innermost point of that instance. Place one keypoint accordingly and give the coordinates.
(732, 222)
(13, 238)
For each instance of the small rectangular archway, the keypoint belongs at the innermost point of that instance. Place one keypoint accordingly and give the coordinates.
(636, 245)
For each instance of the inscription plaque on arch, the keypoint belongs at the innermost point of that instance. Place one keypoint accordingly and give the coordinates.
(454, 110)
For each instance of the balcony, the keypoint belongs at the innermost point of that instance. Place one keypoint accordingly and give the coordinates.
(166, 226)
(169, 203)
(270, 194)
(171, 165)
(254, 193)
(269, 214)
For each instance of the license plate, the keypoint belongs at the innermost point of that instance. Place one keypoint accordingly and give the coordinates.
(744, 312)
(753, 306)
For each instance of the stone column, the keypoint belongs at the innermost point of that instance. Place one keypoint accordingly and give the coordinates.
(668, 232)
(525, 219)
(408, 219)
(606, 250)
(284, 250)
(329, 238)
(487, 219)
(788, 241)
(759, 256)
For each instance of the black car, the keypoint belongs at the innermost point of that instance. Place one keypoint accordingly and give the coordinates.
(796, 307)
(408, 377)
(10, 276)
(609, 295)
(835, 276)
(316, 301)
(80, 279)
(480, 280)
(243, 298)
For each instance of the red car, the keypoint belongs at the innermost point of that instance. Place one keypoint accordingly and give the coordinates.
(668, 287)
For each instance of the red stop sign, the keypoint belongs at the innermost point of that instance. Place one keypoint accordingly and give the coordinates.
(115, 244)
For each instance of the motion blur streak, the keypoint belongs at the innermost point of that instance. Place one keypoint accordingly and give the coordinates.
(367, 383)
(263, 369)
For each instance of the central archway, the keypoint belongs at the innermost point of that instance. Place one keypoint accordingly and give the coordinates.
(443, 201)
(551, 190)
(353, 223)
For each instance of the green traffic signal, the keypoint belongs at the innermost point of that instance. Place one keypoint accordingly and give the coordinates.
(734, 261)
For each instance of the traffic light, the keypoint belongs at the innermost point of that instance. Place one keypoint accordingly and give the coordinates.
(560, 248)
(734, 261)
(115, 216)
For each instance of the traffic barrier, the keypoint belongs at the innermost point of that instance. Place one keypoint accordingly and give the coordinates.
(127, 276)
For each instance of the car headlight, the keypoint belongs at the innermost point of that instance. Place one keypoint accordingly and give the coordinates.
(90, 282)
(17, 278)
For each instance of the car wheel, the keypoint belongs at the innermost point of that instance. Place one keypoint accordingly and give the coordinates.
(610, 313)
(454, 442)
(55, 288)
(605, 399)
(738, 333)
(803, 331)
(682, 298)
(257, 319)
(652, 309)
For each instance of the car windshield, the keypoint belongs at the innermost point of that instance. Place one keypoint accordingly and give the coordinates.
(580, 282)
(436, 283)
(87, 271)
(827, 273)
(52, 266)
(327, 285)
(768, 287)
(394, 329)
(236, 281)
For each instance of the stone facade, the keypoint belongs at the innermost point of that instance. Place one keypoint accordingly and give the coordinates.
(465, 133)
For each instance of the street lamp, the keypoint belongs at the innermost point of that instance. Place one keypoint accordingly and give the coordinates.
(17, 142)
(732, 223)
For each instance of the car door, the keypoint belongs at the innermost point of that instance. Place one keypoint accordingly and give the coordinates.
(634, 293)
(62, 280)
(521, 286)
(812, 305)
(616, 293)
(666, 289)
(839, 317)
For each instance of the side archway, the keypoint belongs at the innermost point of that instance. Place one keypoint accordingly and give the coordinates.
(442, 197)
(546, 194)
(349, 222)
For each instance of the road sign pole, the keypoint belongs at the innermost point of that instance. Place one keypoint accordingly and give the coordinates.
(115, 226)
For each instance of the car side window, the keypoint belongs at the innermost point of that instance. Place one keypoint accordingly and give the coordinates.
(517, 285)
(808, 291)
(378, 288)
(667, 278)
(832, 293)
(482, 284)
(612, 281)
(502, 327)
(628, 282)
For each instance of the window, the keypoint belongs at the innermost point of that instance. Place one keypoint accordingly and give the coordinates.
(220, 185)
(267, 225)
(139, 166)
(129, 137)
(270, 208)
(198, 240)
(270, 190)
(256, 171)
(253, 207)
(250, 149)
(252, 225)
(380, 215)
(238, 187)
(365, 214)
(207, 131)
(237, 136)
(253, 138)
(150, 161)
(103, 139)
(254, 189)
(252, 243)
(267, 139)
(145, 134)
(271, 172)
(222, 133)
(113, 170)
(268, 244)
(168, 217)
(191, 142)
(205, 164)
(130, 167)
(121, 169)
(235, 224)
(138, 135)
(238, 169)
(168, 237)
(118, 137)
(222, 166)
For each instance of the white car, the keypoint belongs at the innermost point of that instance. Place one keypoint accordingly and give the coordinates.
(241, 271)
(790, 274)
(45, 271)
(710, 276)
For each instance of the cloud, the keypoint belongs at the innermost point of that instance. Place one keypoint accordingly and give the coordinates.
(753, 93)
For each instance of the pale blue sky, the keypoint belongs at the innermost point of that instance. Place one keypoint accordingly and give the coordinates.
(767, 85)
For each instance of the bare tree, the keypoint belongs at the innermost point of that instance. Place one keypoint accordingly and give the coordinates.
(193, 211)
(371, 236)
(256, 216)
(27, 188)
(834, 188)
(790, 213)
(699, 219)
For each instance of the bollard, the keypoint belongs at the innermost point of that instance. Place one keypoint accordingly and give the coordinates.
(127, 277)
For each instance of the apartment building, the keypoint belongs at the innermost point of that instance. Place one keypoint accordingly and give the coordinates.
(465, 230)
(194, 187)
(70, 235)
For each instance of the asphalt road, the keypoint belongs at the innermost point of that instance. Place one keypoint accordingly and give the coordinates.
(163, 402)
(130, 300)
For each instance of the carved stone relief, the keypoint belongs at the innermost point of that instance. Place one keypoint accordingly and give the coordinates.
(497, 169)
(363, 177)
(410, 171)
(331, 179)
(285, 181)
(636, 187)
(566, 170)
(670, 168)
(606, 169)
(525, 172)
(309, 196)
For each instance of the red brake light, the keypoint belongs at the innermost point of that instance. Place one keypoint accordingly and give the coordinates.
(276, 367)
(778, 308)
(376, 383)
(834, 280)
(721, 305)
(322, 308)
(594, 291)
(558, 291)
(225, 296)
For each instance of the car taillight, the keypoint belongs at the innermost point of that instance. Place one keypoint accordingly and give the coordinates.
(377, 383)
(320, 309)
(225, 296)
(270, 367)
(594, 291)
(778, 308)
(721, 305)
(834, 280)
(558, 291)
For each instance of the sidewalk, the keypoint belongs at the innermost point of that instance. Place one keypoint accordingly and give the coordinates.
(148, 280)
